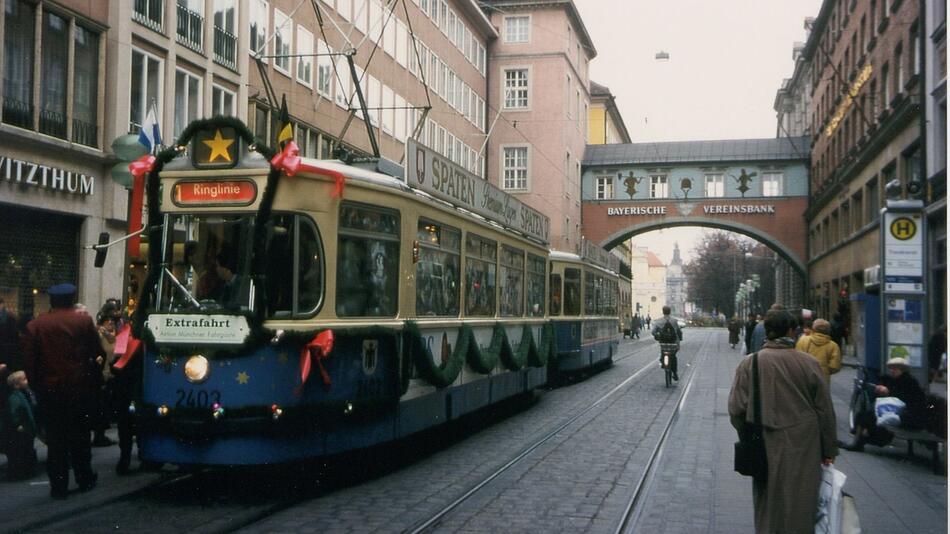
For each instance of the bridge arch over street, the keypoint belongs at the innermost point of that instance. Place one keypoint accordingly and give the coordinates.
(755, 187)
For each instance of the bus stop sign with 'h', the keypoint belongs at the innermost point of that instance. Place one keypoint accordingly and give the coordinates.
(903, 305)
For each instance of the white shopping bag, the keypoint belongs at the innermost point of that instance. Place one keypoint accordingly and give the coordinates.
(850, 524)
(828, 518)
(888, 410)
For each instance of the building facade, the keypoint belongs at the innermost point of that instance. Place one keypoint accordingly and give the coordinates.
(539, 104)
(676, 284)
(421, 66)
(865, 87)
(649, 283)
(605, 124)
(55, 128)
(935, 124)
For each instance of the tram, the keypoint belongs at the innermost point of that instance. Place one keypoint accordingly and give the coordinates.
(297, 308)
(586, 325)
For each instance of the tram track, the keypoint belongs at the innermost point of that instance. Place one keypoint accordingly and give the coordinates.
(433, 522)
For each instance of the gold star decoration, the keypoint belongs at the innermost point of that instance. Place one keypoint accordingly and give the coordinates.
(243, 377)
(219, 147)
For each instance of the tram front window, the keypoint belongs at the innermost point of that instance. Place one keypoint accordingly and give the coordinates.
(210, 263)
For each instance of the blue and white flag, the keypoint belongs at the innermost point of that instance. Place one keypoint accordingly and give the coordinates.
(150, 135)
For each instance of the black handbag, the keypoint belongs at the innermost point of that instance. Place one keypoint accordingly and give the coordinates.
(750, 458)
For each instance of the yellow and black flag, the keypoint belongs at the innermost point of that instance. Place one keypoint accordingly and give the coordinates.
(286, 132)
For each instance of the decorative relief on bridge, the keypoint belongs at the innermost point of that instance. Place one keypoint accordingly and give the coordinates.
(744, 180)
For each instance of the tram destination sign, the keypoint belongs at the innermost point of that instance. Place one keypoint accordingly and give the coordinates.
(440, 177)
(198, 329)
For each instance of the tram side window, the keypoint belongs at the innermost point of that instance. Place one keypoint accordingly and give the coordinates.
(511, 282)
(590, 294)
(437, 270)
(367, 262)
(535, 285)
(293, 288)
(480, 257)
(555, 294)
(572, 292)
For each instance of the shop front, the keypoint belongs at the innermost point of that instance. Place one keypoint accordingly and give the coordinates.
(53, 204)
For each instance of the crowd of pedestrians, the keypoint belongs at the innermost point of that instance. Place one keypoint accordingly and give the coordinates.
(61, 386)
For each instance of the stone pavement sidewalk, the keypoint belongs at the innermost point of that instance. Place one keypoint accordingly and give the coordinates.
(27, 503)
(696, 490)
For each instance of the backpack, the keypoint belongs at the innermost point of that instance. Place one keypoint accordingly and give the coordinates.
(667, 333)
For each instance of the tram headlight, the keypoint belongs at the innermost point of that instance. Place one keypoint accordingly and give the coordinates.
(197, 369)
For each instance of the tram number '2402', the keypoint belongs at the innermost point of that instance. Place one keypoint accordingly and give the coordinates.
(200, 398)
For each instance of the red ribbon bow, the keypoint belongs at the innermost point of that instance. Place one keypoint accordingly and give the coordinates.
(288, 161)
(319, 348)
(142, 166)
(125, 339)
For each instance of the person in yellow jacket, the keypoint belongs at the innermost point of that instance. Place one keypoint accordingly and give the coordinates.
(822, 348)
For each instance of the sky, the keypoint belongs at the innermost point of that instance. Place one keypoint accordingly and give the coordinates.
(727, 60)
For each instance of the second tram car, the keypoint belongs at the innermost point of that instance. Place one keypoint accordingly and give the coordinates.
(298, 308)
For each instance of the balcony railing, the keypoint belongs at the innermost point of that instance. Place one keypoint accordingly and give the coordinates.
(225, 46)
(85, 133)
(53, 123)
(190, 28)
(18, 113)
(149, 13)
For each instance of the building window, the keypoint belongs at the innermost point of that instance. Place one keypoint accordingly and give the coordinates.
(715, 185)
(225, 40)
(872, 200)
(324, 69)
(146, 88)
(899, 75)
(18, 64)
(659, 188)
(282, 31)
(304, 62)
(190, 28)
(885, 87)
(516, 88)
(54, 75)
(771, 184)
(86, 87)
(605, 188)
(517, 29)
(222, 101)
(515, 168)
(149, 13)
(258, 21)
(187, 99)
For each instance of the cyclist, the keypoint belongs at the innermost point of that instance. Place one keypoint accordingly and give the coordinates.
(662, 335)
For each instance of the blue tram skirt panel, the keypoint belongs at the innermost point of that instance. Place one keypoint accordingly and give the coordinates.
(585, 343)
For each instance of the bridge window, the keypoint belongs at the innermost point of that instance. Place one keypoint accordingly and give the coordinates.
(515, 167)
(605, 188)
(367, 266)
(437, 270)
(480, 257)
(516, 88)
(659, 188)
(771, 184)
(511, 282)
(715, 185)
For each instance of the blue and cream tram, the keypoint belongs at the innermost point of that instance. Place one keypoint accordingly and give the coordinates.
(585, 306)
(296, 308)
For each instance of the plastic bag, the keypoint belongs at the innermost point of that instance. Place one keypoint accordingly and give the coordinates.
(828, 517)
(850, 524)
(888, 410)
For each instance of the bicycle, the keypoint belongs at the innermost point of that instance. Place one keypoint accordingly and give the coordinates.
(668, 353)
(862, 397)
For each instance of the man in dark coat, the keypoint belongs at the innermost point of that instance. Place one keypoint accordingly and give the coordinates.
(749, 328)
(59, 351)
(798, 422)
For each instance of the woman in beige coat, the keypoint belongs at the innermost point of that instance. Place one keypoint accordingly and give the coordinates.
(799, 428)
(822, 348)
